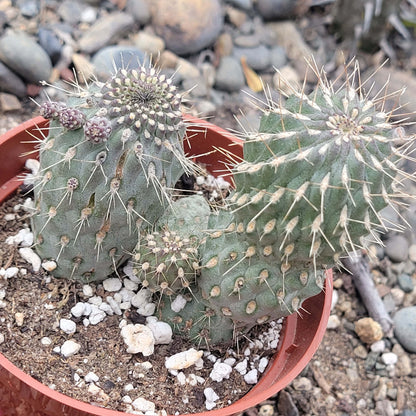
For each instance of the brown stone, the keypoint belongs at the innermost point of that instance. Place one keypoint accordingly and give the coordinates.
(368, 330)
(187, 26)
(9, 102)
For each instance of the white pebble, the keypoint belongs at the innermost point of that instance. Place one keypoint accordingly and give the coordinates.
(68, 326)
(192, 380)
(113, 284)
(106, 308)
(230, 361)
(162, 331)
(28, 205)
(9, 217)
(141, 298)
(49, 265)
(241, 367)
(2, 339)
(143, 405)
(178, 303)
(114, 305)
(333, 322)
(33, 165)
(147, 310)
(183, 359)
(78, 309)
(378, 346)
(138, 338)
(97, 315)
(200, 180)
(91, 377)
(389, 358)
(251, 377)
(130, 285)
(220, 371)
(31, 257)
(95, 300)
(24, 238)
(57, 349)
(128, 387)
(89, 15)
(46, 341)
(11, 272)
(263, 364)
(19, 318)
(181, 378)
(126, 399)
(87, 291)
(128, 270)
(2, 294)
(69, 348)
(211, 397)
(126, 295)
(125, 305)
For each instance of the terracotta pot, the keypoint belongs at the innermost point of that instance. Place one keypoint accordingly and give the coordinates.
(20, 394)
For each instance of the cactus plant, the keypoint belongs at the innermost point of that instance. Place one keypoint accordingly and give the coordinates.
(310, 189)
(113, 152)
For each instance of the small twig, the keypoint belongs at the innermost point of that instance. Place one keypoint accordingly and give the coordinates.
(357, 265)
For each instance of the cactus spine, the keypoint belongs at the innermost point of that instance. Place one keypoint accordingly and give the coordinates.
(112, 153)
(310, 190)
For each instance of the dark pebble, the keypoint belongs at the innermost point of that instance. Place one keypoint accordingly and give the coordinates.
(50, 43)
(405, 282)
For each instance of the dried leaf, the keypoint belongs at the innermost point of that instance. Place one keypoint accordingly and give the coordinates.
(253, 80)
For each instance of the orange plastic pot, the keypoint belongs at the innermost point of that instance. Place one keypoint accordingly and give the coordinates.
(21, 394)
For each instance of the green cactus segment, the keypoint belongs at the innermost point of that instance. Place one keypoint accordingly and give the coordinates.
(315, 177)
(166, 261)
(252, 284)
(105, 169)
(197, 321)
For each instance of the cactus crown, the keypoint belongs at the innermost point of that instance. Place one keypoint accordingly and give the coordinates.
(113, 153)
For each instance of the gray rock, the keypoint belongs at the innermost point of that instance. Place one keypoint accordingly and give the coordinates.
(108, 59)
(28, 8)
(247, 41)
(50, 43)
(187, 26)
(408, 412)
(279, 9)
(230, 76)
(257, 58)
(405, 282)
(241, 4)
(397, 248)
(285, 405)
(278, 58)
(25, 56)
(105, 30)
(10, 82)
(405, 327)
(70, 11)
(139, 9)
